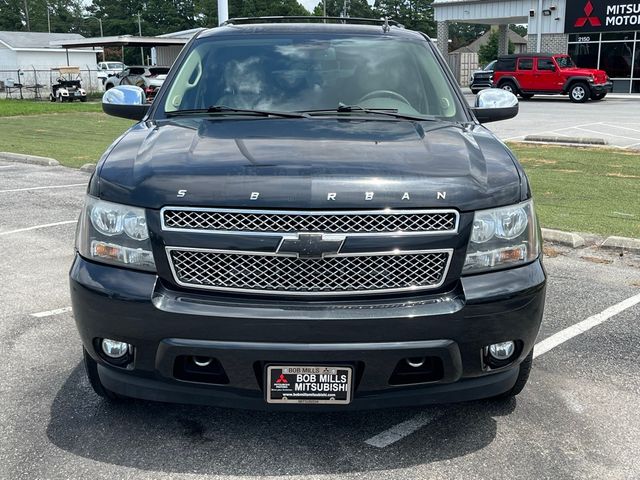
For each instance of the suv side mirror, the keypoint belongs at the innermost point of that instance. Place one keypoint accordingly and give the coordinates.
(125, 101)
(495, 104)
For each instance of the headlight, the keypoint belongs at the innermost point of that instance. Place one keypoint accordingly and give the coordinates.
(115, 234)
(503, 237)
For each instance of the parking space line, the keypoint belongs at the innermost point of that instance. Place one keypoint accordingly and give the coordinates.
(6, 166)
(36, 227)
(623, 128)
(552, 131)
(44, 188)
(607, 134)
(50, 313)
(401, 430)
(574, 330)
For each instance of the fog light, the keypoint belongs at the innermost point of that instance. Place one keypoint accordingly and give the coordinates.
(503, 350)
(113, 348)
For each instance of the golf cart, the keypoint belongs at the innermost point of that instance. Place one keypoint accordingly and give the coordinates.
(67, 88)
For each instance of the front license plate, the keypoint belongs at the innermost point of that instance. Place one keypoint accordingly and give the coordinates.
(317, 384)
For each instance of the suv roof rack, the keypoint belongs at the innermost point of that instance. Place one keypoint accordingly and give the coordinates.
(384, 22)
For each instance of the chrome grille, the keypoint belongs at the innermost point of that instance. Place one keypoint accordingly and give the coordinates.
(342, 273)
(274, 222)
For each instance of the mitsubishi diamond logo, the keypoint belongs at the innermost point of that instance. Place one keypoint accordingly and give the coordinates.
(588, 18)
(310, 245)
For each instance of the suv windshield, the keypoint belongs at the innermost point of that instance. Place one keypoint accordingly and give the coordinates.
(300, 73)
(565, 62)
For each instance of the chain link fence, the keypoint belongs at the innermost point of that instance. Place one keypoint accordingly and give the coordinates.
(35, 83)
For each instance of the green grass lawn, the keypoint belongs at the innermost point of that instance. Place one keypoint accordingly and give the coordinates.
(71, 138)
(584, 190)
(576, 189)
(11, 107)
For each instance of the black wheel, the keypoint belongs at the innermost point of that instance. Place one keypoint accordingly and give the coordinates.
(83, 99)
(579, 92)
(474, 91)
(523, 376)
(52, 98)
(509, 86)
(598, 96)
(91, 369)
(526, 96)
(107, 86)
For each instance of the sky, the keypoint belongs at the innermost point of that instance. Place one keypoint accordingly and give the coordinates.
(309, 4)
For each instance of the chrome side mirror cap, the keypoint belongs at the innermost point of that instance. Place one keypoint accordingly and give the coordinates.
(125, 101)
(494, 104)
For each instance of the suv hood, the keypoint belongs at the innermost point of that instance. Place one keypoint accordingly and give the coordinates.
(585, 72)
(298, 163)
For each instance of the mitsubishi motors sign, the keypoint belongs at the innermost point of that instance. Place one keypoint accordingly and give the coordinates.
(602, 16)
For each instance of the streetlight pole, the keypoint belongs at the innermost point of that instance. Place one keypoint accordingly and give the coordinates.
(140, 34)
(86, 18)
(48, 18)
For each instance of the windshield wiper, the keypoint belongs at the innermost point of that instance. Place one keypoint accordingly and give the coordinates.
(392, 112)
(224, 109)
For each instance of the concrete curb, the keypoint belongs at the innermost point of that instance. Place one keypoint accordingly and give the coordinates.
(560, 139)
(579, 240)
(622, 243)
(88, 167)
(569, 239)
(31, 159)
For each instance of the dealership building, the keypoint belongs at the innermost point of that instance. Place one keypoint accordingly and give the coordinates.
(601, 34)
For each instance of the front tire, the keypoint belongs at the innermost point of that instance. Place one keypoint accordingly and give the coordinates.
(526, 96)
(579, 92)
(598, 96)
(474, 91)
(91, 369)
(521, 381)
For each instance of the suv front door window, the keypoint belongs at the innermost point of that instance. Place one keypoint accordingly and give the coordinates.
(547, 76)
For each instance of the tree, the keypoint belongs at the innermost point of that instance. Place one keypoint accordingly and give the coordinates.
(11, 15)
(462, 34)
(355, 8)
(519, 29)
(413, 14)
(65, 15)
(489, 51)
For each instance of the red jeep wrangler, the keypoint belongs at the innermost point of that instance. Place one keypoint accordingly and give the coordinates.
(526, 74)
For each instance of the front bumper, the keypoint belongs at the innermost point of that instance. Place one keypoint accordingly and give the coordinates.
(246, 335)
(599, 88)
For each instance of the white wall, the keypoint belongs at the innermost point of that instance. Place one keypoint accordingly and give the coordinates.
(47, 59)
(503, 11)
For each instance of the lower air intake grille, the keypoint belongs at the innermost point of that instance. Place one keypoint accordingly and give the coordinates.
(340, 274)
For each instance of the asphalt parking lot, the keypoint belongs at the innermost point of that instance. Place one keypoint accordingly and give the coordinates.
(577, 418)
(616, 120)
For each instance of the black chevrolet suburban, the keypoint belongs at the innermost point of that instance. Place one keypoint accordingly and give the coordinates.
(308, 216)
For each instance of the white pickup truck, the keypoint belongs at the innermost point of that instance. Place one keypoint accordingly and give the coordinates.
(109, 69)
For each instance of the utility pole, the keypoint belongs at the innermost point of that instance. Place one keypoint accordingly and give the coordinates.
(26, 15)
(48, 18)
(100, 22)
(140, 33)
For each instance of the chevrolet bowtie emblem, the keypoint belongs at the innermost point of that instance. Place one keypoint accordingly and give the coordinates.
(310, 245)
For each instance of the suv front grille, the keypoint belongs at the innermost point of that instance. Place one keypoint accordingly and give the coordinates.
(335, 274)
(367, 222)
